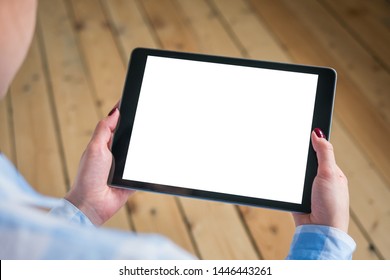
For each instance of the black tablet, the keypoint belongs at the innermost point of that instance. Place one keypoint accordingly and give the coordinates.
(220, 128)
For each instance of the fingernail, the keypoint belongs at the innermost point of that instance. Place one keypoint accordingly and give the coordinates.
(319, 133)
(112, 111)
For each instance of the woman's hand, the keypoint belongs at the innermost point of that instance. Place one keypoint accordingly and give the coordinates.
(330, 199)
(90, 192)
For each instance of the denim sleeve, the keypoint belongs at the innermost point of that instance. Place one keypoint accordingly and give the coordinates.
(316, 242)
(66, 210)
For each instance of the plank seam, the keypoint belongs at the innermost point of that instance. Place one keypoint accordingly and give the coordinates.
(148, 23)
(50, 93)
(188, 227)
(114, 32)
(228, 29)
(72, 19)
(375, 249)
(354, 35)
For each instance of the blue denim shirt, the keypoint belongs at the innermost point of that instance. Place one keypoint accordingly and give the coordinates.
(28, 232)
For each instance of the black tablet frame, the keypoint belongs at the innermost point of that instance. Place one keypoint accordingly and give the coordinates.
(322, 118)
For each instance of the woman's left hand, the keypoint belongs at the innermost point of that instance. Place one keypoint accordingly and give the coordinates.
(90, 192)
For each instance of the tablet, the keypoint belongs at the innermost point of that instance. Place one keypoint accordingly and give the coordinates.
(219, 128)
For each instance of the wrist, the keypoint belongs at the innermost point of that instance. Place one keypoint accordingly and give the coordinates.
(340, 222)
(85, 208)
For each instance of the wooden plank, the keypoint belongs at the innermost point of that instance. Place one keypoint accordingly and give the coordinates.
(351, 106)
(102, 58)
(238, 15)
(172, 29)
(151, 213)
(106, 72)
(251, 34)
(70, 87)
(37, 148)
(205, 218)
(157, 213)
(363, 69)
(218, 230)
(210, 34)
(272, 231)
(365, 250)
(6, 135)
(129, 26)
(368, 21)
(349, 161)
(369, 194)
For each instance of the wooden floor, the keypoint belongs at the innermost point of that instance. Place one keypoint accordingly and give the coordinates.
(75, 70)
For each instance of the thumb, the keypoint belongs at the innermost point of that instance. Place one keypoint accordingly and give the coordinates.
(112, 119)
(105, 128)
(325, 154)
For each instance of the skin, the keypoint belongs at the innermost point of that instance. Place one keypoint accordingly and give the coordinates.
(90, 192)
(17, 24)
(330, 198)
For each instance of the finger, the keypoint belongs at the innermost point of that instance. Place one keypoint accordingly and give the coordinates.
(112, 128)
(115, 107)
(325, 155)
(112, 119)
(105, 128)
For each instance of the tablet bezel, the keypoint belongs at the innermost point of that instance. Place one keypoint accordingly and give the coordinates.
(322, 118)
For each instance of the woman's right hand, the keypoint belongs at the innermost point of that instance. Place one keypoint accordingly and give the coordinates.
(330, 198)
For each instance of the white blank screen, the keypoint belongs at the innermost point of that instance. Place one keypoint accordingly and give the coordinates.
(222, 128)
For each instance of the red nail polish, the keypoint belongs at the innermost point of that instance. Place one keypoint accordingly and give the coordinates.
(112, 111)
(319, 133)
